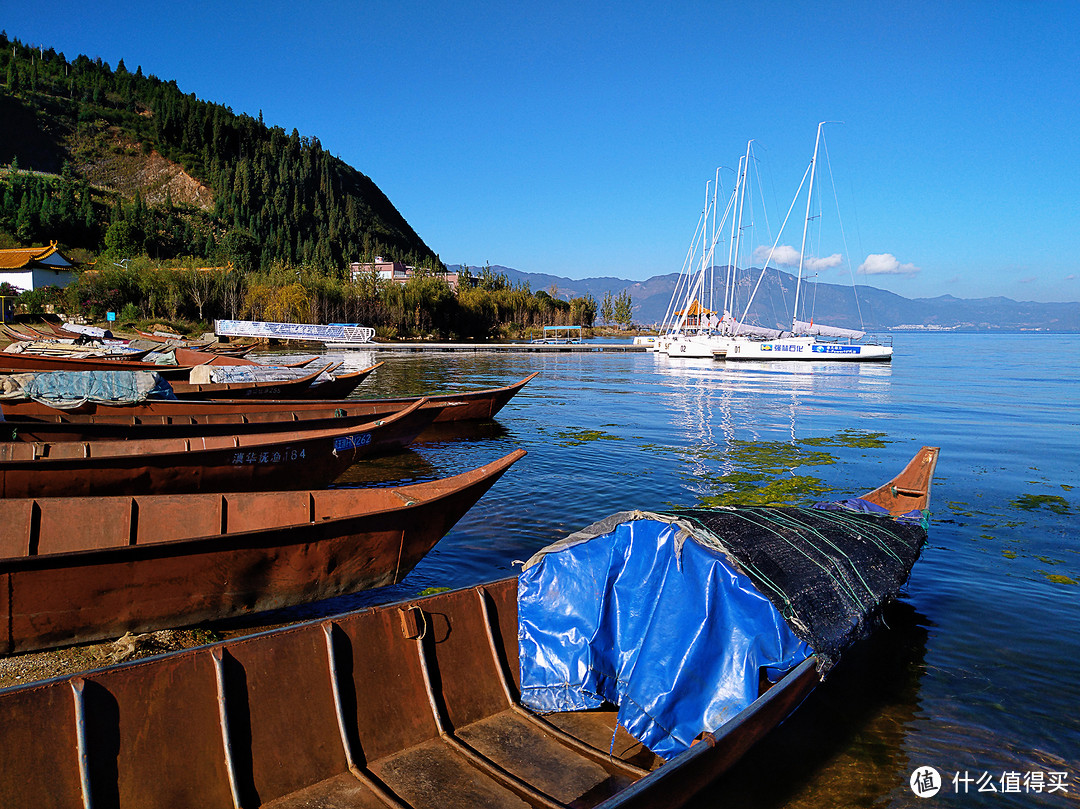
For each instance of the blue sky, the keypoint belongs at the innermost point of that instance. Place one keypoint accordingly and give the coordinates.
(576, 138)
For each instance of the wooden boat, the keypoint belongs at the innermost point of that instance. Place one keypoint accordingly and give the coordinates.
(191, 356)
(89, 568)
(480, 404)
(28, 335)
(162, 337)
(341, 386)
(269, 389)
(338, 386)
(183, 342)
(414, 704)
(101, 428)
(52, 349)
(237, 462)
(19, 363)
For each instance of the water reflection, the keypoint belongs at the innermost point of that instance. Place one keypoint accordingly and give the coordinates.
(845, 745)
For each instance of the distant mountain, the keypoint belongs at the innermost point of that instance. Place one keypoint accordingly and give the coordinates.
(867, 307)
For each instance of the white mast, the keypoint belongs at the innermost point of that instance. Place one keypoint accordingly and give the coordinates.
(745, 162)
(806, 223)
(729, 292)
(712, 254)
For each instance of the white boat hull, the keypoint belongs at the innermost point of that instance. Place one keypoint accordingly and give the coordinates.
(807, 349)
(692, 346)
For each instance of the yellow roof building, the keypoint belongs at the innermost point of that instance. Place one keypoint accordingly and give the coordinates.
(29, 268)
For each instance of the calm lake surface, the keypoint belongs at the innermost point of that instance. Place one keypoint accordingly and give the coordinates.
(976, 672)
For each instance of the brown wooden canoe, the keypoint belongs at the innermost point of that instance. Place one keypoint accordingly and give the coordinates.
(414, 704)
(341, 386)
(19, 336)
(90, 568)
(301, 459)
(308, 387)
(19, 363)
(56, 426)
(479, 404)
(51, 349)
(270, 389)
(191, 356)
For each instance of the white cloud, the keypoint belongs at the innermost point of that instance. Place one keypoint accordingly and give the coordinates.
(827, 263)
(785, 255)
(885, 264)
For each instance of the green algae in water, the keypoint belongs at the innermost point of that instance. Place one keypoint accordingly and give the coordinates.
(572, 438)
(430, 591)
(1034, 502)
(749, 491)
(850, 439)
(764, 471)
(1009, 554)
(772, 457)
(1056, 578)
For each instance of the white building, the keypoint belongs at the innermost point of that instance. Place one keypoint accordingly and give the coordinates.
(394, 271)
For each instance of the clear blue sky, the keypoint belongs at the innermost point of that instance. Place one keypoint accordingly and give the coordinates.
(575, 138)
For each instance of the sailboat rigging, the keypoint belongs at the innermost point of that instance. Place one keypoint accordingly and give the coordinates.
(803, 342)
(691, 327)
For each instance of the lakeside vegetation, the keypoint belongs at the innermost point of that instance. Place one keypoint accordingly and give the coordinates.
(259, 224)
(190, 298)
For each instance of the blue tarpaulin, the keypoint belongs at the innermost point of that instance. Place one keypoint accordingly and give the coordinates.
(70, 389)
(636, 612)
(671, 617)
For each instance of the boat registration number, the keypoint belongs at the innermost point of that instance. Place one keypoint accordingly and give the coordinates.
(266, 456)
(352, 441)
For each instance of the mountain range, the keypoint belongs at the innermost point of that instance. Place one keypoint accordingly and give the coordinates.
(863, 307)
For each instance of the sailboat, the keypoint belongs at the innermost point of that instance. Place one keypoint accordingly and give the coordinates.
(692, 328)
(809, 341)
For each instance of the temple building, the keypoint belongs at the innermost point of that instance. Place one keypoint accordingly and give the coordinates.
(27, 268)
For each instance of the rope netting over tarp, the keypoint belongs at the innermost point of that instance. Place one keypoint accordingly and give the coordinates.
(827, 569)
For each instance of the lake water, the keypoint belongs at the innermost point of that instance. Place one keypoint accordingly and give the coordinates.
(974, 674)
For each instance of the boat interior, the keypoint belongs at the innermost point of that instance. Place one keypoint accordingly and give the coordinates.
(400, 706)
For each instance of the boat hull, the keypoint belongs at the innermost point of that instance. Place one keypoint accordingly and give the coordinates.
(18, 363)
(250, 462)
(690, 347)
(98, 428)
(806, 349)
(98, 582)
(471, 406)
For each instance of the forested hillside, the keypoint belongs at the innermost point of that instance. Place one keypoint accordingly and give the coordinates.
(114, 161)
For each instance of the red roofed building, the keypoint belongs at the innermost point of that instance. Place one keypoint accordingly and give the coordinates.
(29, 268)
